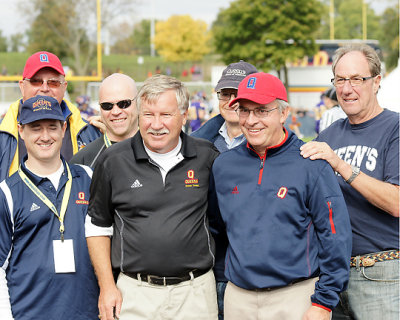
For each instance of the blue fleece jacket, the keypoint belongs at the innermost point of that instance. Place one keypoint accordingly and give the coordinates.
(285, 218)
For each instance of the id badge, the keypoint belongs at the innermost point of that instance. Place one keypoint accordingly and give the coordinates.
(64, 261)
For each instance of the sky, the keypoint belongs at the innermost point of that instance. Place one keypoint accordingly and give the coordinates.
(207, 10)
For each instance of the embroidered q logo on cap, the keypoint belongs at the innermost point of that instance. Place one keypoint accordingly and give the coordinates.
(251, 83)
(261, 88)
(43, 57)
(40, 60)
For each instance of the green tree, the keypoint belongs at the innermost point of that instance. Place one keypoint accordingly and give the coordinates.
(138, 42)
(17, 42)
(3, 42)
(68, 27)
(348, 24)
(267, 33)
(50, 27)
(181, 38)
(390, 40)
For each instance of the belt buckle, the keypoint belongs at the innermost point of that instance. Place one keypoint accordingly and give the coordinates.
(155, 280)
(367, 262)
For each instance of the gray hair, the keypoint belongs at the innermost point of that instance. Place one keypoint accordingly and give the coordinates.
(282, 105)
(370, 54)
(156, 85)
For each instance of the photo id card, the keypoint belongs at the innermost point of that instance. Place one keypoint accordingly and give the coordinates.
(64, 261)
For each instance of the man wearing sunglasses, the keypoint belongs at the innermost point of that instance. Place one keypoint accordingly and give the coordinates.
(224, 131)
(363, 150)
(285, 217)
(43, 75)
(118, 114)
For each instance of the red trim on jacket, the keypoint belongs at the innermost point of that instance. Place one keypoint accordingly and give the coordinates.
(331, 218)
(322, 307)
(265, 154)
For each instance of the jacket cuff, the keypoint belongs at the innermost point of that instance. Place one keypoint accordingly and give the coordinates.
(321, 306)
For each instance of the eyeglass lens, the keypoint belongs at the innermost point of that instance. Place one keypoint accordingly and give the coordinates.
(52, 83)
(123, 104)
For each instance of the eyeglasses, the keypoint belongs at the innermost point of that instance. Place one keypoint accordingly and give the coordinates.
(356, 81)
(226, 95)
(123, 104)
(51, 83)
(258, 112)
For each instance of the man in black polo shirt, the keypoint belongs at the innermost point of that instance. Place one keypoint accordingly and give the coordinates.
(150, 194)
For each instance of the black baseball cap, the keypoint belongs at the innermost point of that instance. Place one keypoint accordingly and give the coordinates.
(234, 74)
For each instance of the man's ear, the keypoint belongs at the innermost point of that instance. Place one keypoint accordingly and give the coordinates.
(21, 131)
(377, 83)
(284, 115)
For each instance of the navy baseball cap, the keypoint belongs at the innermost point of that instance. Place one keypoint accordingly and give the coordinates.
(234, 74)
(39, 108)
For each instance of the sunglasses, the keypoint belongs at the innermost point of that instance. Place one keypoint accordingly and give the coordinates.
(123, 104)
(51, 83)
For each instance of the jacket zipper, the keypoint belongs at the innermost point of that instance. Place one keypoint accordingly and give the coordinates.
(262, 167)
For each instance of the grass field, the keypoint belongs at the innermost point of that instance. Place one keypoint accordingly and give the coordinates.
(127, 64)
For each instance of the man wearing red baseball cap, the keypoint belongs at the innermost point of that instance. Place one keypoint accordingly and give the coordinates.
(43, 75)
(286, 220)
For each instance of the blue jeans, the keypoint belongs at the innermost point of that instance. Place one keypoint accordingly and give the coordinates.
(373, 293)
(221, 286)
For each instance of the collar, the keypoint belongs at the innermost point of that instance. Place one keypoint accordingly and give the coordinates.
(188, 149)
(276, 148)
(223, 131)
(65, 110)
(37, 180)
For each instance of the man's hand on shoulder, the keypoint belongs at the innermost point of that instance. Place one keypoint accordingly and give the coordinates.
(316, 313)
(97, 122)
(320, 150)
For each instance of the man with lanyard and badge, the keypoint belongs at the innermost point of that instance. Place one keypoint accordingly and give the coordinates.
(118, 113)
(45, 267)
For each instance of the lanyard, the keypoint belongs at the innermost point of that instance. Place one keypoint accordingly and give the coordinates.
(107, 141)
(47, 202)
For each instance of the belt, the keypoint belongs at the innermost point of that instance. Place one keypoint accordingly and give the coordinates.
(368, 260)
(165, 281)
(279, 287)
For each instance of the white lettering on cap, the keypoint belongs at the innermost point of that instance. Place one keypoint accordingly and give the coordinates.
(236, 72)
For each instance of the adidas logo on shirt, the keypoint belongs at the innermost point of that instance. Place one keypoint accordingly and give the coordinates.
(235, 190)
(136, 184)
(34, 207)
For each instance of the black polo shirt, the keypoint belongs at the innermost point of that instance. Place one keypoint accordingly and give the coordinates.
(160, 228)
(89, 154)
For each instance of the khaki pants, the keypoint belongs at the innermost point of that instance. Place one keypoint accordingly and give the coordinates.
(194, 299)
(289, 303)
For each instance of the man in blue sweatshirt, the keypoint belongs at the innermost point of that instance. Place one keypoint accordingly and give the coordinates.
(224, 131)
(285, 217)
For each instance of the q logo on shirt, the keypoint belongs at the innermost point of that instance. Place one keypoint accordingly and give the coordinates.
(282, 192)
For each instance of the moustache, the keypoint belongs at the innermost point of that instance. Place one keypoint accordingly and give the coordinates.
(162, 131)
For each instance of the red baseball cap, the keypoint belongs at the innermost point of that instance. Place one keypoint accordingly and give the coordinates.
(40, 60)
(261, 88)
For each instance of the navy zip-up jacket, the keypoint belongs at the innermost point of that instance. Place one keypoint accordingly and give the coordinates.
(285, 218)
